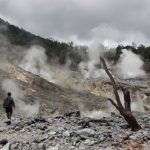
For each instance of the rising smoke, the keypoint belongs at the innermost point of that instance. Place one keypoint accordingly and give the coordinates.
(89, 69)
(136, 101)
(9, 85)
(138, 104)
(35, 61)
(130, 65)
(9, 53)
(95, 114)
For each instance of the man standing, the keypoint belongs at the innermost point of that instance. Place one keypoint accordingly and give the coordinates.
(8, 105)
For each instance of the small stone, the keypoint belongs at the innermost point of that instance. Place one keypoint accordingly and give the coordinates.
(41, 126)
(42, 146)
(52, 148)
(66, 134)
(6, 147)
(86, 132)
(45, 137)
(52, 133)
(71, 147)
(89, 142)
(17, 128)
(14, 146)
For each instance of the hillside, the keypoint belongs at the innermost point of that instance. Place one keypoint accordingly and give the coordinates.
(141, 50)
(63, 52)
(51, 98)
(70, 110)
(54, 49)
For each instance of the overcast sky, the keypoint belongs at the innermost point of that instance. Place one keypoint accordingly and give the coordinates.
(82, 21)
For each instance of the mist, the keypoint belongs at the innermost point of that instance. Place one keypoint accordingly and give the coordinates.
(9, 53)
(91, 68)
(95, 114)
(35, 61)
(138, 104)
(130, 65)
(10, 85)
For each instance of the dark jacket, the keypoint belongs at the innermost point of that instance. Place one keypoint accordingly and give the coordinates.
(9, 102)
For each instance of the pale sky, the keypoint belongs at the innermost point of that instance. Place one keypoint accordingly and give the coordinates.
(82, 21)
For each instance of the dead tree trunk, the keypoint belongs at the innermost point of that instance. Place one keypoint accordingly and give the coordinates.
(124, 111)
(127, 100)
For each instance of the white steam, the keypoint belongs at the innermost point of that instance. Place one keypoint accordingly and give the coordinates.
(89, 69)
(130, 65)
(138, 104)
(35, 61)
(92, 114)
(9, 85)
(95, 114)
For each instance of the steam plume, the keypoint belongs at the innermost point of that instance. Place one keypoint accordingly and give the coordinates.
(89, 69)
(130, 65)
(95, 114)
(138, 105)
(35, 61)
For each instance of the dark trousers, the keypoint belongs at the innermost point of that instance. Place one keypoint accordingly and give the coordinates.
(9, 111)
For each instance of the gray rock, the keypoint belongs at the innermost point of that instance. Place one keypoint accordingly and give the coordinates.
(42, 146)
(89, 142)
(52, 133)
(86, 132)
(45, 137)
(41, 126)
(66, 134)
(34, 146)
(14, 145)
(102, 138)
(2, 129)
(15, 123)
(140, 135)
(52, 148)
(71, 147)
(17, 128)
(6, 147)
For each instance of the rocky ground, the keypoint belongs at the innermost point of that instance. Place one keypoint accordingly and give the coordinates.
(71, 131)
(51, 130)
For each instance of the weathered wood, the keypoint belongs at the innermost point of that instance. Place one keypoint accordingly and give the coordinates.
(113, 83)
(126, 110)
(85, 123)
(127, 100)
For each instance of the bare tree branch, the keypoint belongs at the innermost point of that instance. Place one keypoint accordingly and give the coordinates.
(125, 112)
(113, 83)
(127, 99)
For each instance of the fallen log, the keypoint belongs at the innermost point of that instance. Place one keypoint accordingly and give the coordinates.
(86, 122)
